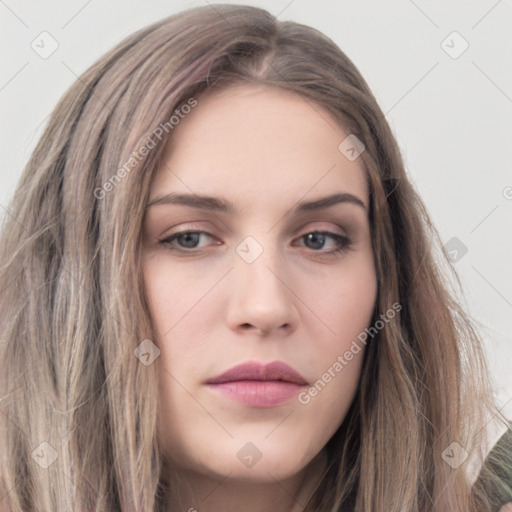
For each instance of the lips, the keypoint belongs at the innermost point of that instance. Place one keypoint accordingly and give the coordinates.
(276, 371)
(257, 385)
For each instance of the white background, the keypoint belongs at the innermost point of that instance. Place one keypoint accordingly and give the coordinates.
(452, 117)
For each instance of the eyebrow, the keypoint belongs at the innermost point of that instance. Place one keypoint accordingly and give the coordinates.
(223, 206)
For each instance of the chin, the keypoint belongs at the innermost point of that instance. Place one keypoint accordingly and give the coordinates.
(258, 462)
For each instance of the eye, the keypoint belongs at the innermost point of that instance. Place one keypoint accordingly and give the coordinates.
(185, 240)
(317, 240)
(189, 241)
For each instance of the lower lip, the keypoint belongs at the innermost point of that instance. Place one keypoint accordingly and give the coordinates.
(268, 393)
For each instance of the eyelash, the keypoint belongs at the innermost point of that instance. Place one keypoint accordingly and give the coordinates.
(344, 242)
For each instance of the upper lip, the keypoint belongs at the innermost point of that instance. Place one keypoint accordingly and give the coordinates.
(276, 370)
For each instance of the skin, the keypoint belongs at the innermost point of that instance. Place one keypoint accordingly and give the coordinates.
(264, 150)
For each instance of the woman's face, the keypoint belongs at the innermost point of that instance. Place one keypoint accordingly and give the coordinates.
(245, 174)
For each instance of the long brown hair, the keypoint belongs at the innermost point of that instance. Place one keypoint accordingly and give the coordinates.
(79, 411)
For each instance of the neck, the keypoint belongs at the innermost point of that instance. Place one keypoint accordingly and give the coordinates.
(195, 492)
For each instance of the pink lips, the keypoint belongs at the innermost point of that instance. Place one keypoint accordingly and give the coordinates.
(258, 385)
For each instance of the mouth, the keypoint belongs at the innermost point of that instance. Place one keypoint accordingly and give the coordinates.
(257, 385)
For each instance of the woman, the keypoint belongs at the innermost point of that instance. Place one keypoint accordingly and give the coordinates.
(220, 291)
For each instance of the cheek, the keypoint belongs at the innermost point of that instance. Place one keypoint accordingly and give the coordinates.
(343, 303)
(343, 307)
(184, 307)
(174, 294)
(337, 345)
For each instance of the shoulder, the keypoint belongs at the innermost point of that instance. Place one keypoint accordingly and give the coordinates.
(497, 469)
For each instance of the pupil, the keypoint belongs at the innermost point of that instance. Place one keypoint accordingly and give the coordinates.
(190, 239)
(317, 240)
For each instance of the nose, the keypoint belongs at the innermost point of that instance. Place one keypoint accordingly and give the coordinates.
(262, 300)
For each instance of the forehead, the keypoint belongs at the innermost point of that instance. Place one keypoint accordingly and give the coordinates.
(258, 142)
